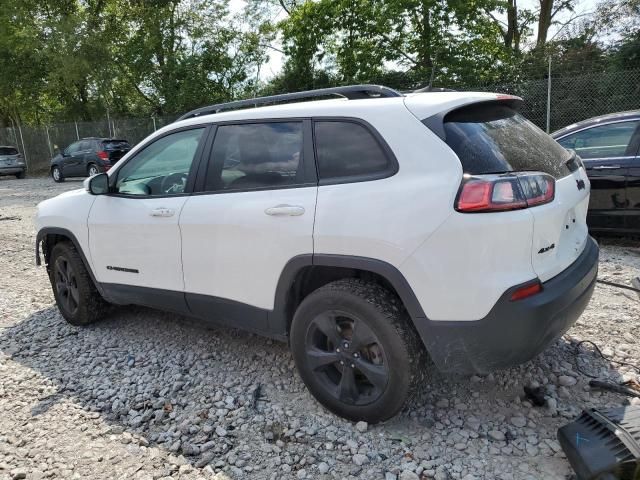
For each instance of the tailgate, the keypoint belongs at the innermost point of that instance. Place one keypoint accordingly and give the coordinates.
(560, 228)
(491, 139)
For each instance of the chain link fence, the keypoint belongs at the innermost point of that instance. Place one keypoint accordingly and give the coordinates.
(560, 100)
(551, 103)
(38, 144)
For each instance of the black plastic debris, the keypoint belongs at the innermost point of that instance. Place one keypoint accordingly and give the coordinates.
(604, 444)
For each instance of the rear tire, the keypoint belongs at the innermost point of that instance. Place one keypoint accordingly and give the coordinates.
(56, 174)
(92, 170)
(76, 296)
(355, 349)
(20, 175)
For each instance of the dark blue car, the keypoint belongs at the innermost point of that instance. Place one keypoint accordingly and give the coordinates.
(88, 157)
(609, 146)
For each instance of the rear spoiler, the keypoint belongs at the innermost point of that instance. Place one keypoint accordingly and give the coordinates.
(435, 123)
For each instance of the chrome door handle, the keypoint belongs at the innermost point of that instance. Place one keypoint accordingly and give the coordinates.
(606, 167)
(285, 210)
(162, 212)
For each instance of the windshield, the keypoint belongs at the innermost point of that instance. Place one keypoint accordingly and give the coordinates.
(495, 138)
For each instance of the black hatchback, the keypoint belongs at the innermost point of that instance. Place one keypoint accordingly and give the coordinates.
(88, 157)
(609, 146)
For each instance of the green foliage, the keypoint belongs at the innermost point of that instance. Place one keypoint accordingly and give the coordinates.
(73, 59)
(77, 59)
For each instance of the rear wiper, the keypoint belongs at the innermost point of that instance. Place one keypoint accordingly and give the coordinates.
(574, 162)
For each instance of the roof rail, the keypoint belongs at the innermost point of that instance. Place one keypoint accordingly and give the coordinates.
(351, 92)
(429, 88)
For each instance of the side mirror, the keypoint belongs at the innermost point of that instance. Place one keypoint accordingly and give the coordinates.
(98, 184)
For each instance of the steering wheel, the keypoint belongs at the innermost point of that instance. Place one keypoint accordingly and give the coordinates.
(174, 183)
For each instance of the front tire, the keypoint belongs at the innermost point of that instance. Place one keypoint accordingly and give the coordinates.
(76, 296)
(20, 175)
(355, 349)
(56, 174)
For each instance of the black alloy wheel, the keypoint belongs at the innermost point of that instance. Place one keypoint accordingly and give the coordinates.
(66, 285)
(356, 350)
(347, 357)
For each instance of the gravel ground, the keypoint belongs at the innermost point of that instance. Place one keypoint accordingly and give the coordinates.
(146, 394)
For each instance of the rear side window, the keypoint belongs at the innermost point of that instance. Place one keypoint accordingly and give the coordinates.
(115, 145)
(495, 138)
(348, 149)
(604, 141)
(8, 151)
(256, 156)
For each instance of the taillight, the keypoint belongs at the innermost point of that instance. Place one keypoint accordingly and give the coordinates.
(103, 155)
(497, 193)
(526, 290)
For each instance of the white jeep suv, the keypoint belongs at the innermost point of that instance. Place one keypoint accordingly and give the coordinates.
(364, 230)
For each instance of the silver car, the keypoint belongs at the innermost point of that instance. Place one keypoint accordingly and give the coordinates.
(11, 162)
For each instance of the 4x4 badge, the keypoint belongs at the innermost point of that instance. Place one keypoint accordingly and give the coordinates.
(546, 249)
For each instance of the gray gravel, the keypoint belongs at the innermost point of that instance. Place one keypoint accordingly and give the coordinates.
(149, 395)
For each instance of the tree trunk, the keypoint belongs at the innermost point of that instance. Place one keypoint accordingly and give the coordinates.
(424, 33)
(544, 22)
(512, 37)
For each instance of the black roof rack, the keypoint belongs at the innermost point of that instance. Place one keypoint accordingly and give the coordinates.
(429, 88)
(351, 92)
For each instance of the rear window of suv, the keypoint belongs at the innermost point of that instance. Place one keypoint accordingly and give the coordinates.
(8, 151)
(115, 144)
(495, 138)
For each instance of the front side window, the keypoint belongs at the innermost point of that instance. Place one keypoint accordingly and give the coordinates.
(73, 148)
(162, 168)
(603, 141)
(255, 155)
(348, 149)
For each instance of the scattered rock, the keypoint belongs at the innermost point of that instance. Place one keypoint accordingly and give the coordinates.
(360, 459)
(409, 475)
(566, 380)
(519, 422)
(362, 426)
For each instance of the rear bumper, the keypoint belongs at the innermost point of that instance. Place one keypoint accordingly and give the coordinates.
(514, 332)
(11, 170)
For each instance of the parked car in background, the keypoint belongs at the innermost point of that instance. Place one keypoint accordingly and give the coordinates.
(88, 157)
(11, 162)
(609, 146)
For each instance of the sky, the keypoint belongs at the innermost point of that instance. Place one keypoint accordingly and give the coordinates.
(276, 58)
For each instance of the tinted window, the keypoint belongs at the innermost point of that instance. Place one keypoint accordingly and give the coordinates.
(162, 168)
(115, 145)
(347, 149)
(256, 155)
(612, 140)
(85, 145)
(8, 151)
(496, 139)
(73, 148)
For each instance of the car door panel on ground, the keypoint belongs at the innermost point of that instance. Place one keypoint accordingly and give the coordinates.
(609, 153)
(134, 236)
(254, 213)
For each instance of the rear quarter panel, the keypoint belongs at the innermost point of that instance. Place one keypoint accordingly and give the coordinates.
(389, 218)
